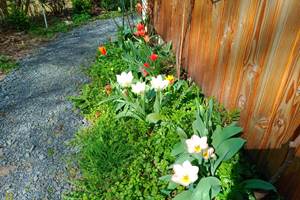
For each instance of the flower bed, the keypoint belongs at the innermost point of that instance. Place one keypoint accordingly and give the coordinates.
(153, 136)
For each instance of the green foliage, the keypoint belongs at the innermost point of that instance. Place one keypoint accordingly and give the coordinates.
(56, 25)
(102, 72)
(82, 6)
(81, 18)
(115, 4)
(123, 158)
(17, 19)
(7, 64)
(137, 53)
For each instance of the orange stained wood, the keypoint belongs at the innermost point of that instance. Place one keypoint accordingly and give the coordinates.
(247, 55)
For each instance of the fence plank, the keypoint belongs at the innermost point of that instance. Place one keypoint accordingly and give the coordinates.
(246, 54)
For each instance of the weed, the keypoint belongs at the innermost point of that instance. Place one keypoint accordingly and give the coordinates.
(7, 64)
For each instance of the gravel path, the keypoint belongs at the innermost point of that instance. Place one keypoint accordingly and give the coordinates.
(36, 118)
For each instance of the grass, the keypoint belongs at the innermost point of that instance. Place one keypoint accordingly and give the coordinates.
(58, 25)
(7, 64)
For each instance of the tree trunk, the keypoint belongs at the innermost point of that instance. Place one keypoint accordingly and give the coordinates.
(3, 7)
(27, 3)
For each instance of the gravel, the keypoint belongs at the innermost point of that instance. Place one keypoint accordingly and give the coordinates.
(37, 120)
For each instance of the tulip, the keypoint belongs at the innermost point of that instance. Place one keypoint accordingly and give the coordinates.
(102, 50)
(125, 79)
(140, 27)
(153, 57)
(185, 174)
(144, 72)
(139, 8)
(147, 38)
(146, 65)
(196, 144)
(170, 78)
(208, 153)
(158, 83)
(141, 33)
(138, 88)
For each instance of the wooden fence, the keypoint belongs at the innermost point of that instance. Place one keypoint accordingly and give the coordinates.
(246, 53)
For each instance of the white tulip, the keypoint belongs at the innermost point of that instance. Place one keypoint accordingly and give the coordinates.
(138, 88)
(125, 79)
(196, 144)
(159, 83)
(209, 153)
(185, 174)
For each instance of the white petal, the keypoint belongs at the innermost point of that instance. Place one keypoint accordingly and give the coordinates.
(186, 165)
(190, 145)
(193, 170)
(193, 178)
(178, 169)
(196, 138)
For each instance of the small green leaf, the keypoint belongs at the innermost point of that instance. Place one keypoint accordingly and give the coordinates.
(258, 184)
(185, 195)
(165, 178)
(153, 117)
(178, 148)
(181, 133)
(171, 186)
(183, 157)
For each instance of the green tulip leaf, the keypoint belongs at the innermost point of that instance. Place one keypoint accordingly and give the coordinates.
(185, 195)
(207, 189)
(258, 184)
(153, 117)
(220, 135)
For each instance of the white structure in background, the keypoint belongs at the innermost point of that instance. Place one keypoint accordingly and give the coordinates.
(145, 7)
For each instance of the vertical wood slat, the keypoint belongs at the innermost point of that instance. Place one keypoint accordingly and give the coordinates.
(247, 55)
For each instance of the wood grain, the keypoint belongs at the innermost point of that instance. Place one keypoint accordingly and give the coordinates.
(247, 55)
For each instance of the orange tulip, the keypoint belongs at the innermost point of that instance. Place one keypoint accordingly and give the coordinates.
(139, 8)
(146, 38)
(102, 50)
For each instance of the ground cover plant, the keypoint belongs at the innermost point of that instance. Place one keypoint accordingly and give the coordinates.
(6, 64)
(153, 135)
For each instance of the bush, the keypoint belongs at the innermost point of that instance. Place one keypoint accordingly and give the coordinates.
(18, 20)
(82, 6)
(80, 18)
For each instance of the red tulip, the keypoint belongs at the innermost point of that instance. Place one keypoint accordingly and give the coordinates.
(153, 57)
(140, 27)
(146, 65)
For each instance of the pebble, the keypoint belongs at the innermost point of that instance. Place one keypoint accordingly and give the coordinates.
(30, 97)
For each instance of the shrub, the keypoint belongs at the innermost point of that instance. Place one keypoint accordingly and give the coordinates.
(82, 6)
(17, 19)
(80, 18)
